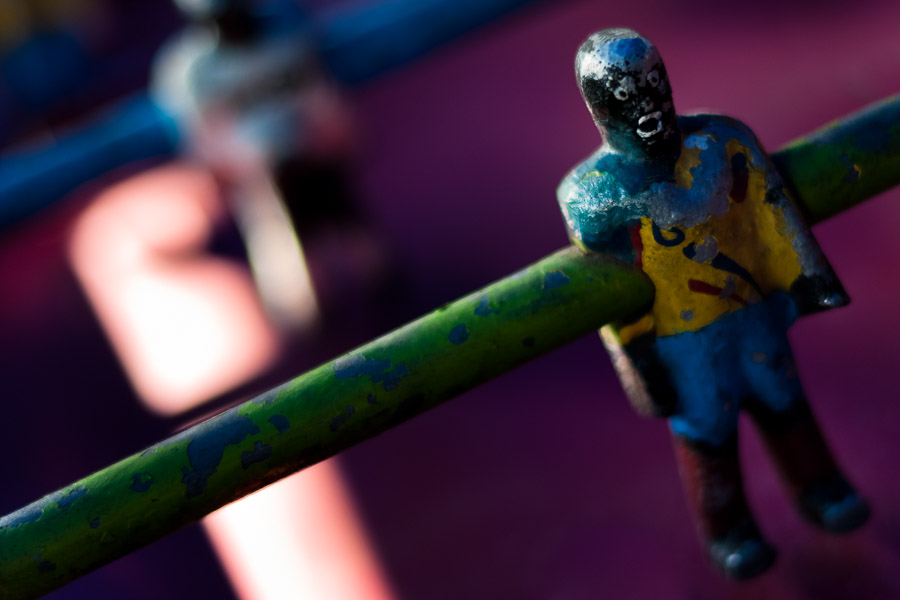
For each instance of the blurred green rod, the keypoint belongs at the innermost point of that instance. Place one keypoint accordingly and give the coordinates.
(357, 396)
(156, 492)
(846, 162)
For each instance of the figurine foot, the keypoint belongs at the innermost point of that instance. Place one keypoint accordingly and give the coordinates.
(822, 494)
(742, 553)
(834, 506)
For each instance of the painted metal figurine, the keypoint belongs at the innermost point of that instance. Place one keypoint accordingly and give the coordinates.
(696, 203)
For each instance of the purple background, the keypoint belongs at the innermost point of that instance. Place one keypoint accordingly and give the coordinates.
(541, 484)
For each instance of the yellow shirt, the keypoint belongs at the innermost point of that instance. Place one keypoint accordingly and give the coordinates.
(716, 267)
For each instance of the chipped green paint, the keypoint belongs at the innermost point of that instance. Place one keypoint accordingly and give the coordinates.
(845, 162)
(312, 417)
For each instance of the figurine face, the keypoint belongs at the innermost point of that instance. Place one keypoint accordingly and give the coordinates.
(623, 82)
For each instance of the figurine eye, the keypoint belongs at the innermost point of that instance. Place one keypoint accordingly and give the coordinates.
(653, 78)
(625, 89)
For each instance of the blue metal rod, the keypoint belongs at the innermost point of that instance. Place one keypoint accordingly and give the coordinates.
(33, 180)
(358, 43)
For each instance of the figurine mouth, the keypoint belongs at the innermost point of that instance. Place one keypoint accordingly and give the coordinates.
(650, 124)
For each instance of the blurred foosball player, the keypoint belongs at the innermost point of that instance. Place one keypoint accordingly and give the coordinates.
(267, 138)
(695, 202)
(246, 86)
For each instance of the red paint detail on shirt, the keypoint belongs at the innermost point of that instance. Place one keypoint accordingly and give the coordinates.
(635, 232)
(705, 288)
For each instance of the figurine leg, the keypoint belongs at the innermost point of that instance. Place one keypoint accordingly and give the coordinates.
(704, 427)
(777, 403)
(715, 492)
(822, 493)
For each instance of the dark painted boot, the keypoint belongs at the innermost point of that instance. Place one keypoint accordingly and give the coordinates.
(715, 492)
(741, 553)
(834, 506)
(821, 492)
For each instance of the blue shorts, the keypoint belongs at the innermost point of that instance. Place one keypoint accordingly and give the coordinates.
(745, 355)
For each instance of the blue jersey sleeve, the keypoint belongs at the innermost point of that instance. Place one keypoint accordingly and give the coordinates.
(597, 212)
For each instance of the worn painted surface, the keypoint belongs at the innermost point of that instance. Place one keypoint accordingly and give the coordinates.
(693, 201)
(846, 162)
(312, 417)
(696, 203)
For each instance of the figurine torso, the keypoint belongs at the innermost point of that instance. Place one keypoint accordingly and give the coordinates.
(716, 234)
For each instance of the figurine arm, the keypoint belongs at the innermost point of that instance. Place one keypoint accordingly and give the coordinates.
(572, 179)
(646, 379)
(817, 287)
(596, 218)
(568, 196)
(599, 220)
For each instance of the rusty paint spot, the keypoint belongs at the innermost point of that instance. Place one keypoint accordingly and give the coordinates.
(484, 308)
(555, 279)
(459, 334)
(341, 419)
(379, 371)
(71, 496)
(259, 453)
(270, 396)
(851, 169)
(280, 422)
(141, 482)
(205, 450)
(34, 511)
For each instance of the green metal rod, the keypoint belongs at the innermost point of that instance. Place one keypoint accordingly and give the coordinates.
(176, 482)
(846, 162)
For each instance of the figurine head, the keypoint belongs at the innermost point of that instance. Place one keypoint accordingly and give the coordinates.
(623, 82)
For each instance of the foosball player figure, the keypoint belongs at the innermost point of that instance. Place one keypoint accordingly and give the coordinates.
(696, 203)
